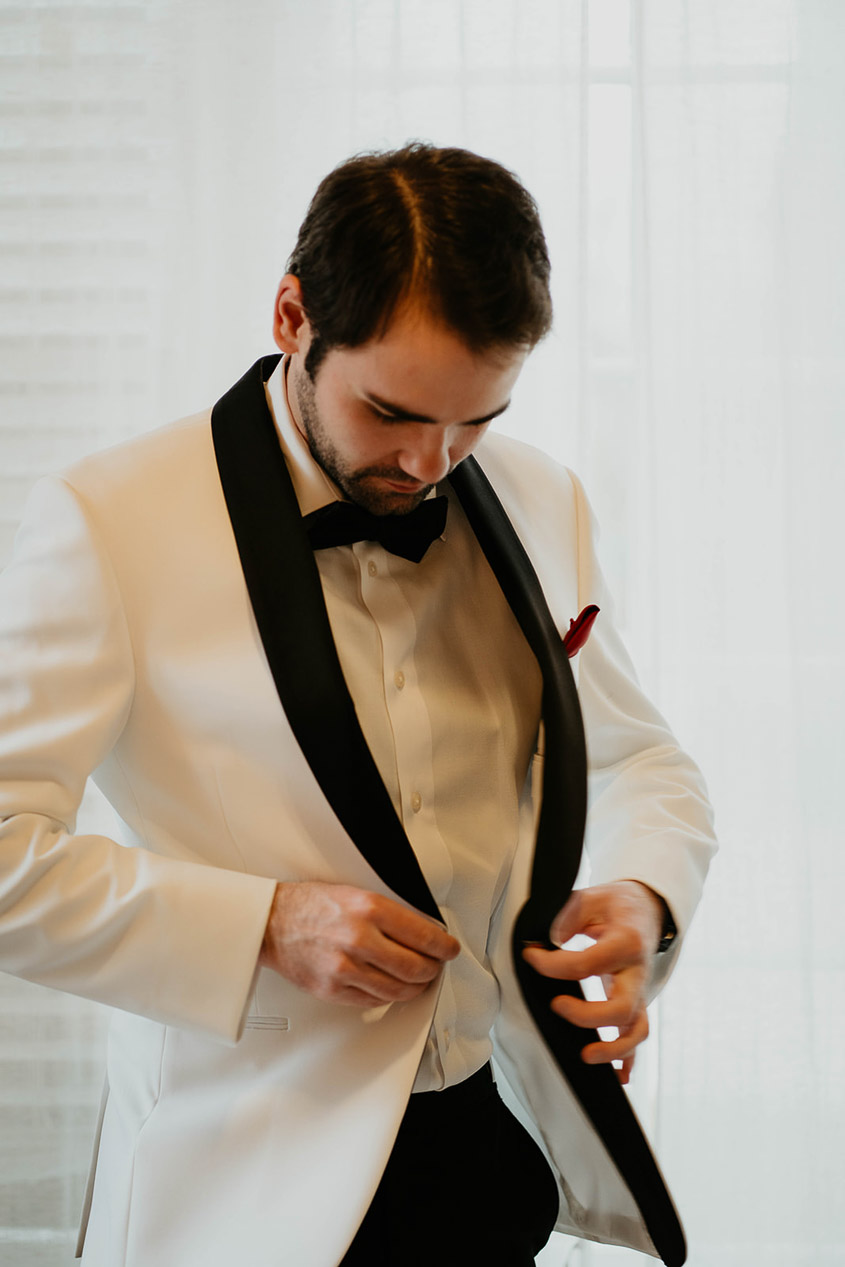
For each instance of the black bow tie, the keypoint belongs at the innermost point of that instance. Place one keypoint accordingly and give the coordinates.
(410, 535)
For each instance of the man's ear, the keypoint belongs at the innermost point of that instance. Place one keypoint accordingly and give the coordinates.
(291, 329)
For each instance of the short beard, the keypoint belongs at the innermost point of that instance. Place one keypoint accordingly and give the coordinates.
(355, 484)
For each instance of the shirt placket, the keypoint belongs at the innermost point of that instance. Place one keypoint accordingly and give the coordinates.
(407, 714)
(410, 728)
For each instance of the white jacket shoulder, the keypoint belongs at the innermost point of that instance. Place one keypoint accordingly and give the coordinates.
(167, 459)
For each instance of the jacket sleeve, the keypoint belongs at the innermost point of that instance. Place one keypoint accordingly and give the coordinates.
(172, 940)
(649, 816)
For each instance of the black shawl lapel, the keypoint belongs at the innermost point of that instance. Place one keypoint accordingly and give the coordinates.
(563, 813)
(287, 600)
(557, 855)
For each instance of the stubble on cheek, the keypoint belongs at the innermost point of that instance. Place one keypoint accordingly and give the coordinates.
(363, 485)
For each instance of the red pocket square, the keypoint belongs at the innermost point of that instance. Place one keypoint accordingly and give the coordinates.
(579, 630)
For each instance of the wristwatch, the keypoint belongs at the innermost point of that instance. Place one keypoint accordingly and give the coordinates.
(669, 931)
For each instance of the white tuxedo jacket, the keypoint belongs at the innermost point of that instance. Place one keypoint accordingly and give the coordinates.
(248, 1122)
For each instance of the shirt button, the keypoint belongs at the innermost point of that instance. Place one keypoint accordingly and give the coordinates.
(416, 802)
(399, 679)
(372, 569)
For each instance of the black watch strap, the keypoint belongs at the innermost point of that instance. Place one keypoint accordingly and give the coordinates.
(669, 932)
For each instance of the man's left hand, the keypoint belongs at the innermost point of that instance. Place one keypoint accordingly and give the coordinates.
(625, 919)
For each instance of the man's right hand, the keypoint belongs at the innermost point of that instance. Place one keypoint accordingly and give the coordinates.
(347, 945)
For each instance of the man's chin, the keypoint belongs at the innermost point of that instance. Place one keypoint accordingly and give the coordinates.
(380, 498)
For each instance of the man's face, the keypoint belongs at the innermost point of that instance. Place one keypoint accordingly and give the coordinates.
(389, 419)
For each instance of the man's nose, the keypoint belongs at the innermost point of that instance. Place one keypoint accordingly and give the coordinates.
(426, 458)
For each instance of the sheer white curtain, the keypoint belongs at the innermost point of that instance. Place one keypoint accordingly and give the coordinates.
(742, 286)
(687, 158)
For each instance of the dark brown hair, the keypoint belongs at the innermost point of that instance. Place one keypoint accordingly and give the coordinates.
(455, 231)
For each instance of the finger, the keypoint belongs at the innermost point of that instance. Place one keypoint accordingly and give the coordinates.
(623, 1073)
(379, 990)
(621, 1012)
(395, 960)
(346, 979)
(365, 954)
(618, 950)
(571, 918)
(618, 1048)
(411, 929)
(351, 996)
(586, 911)
(622, 1001)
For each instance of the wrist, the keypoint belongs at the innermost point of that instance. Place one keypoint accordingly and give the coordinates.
(265, 954)
(666, 929)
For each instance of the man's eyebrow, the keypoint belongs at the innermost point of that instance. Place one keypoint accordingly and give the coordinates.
(401, 414)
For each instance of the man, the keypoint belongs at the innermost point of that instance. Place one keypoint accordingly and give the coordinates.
(321, 699)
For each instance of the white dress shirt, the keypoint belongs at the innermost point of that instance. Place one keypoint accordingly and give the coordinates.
(447, 694)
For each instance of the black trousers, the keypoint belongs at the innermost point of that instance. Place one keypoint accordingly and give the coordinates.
(465, 1186)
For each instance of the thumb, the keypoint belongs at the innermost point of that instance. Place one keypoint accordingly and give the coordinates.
(569, 920)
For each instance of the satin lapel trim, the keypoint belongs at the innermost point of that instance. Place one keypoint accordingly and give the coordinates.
(563, 813)
(287, 600)
(557, 855)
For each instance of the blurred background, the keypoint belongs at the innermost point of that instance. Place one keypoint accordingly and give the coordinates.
(156, 158)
